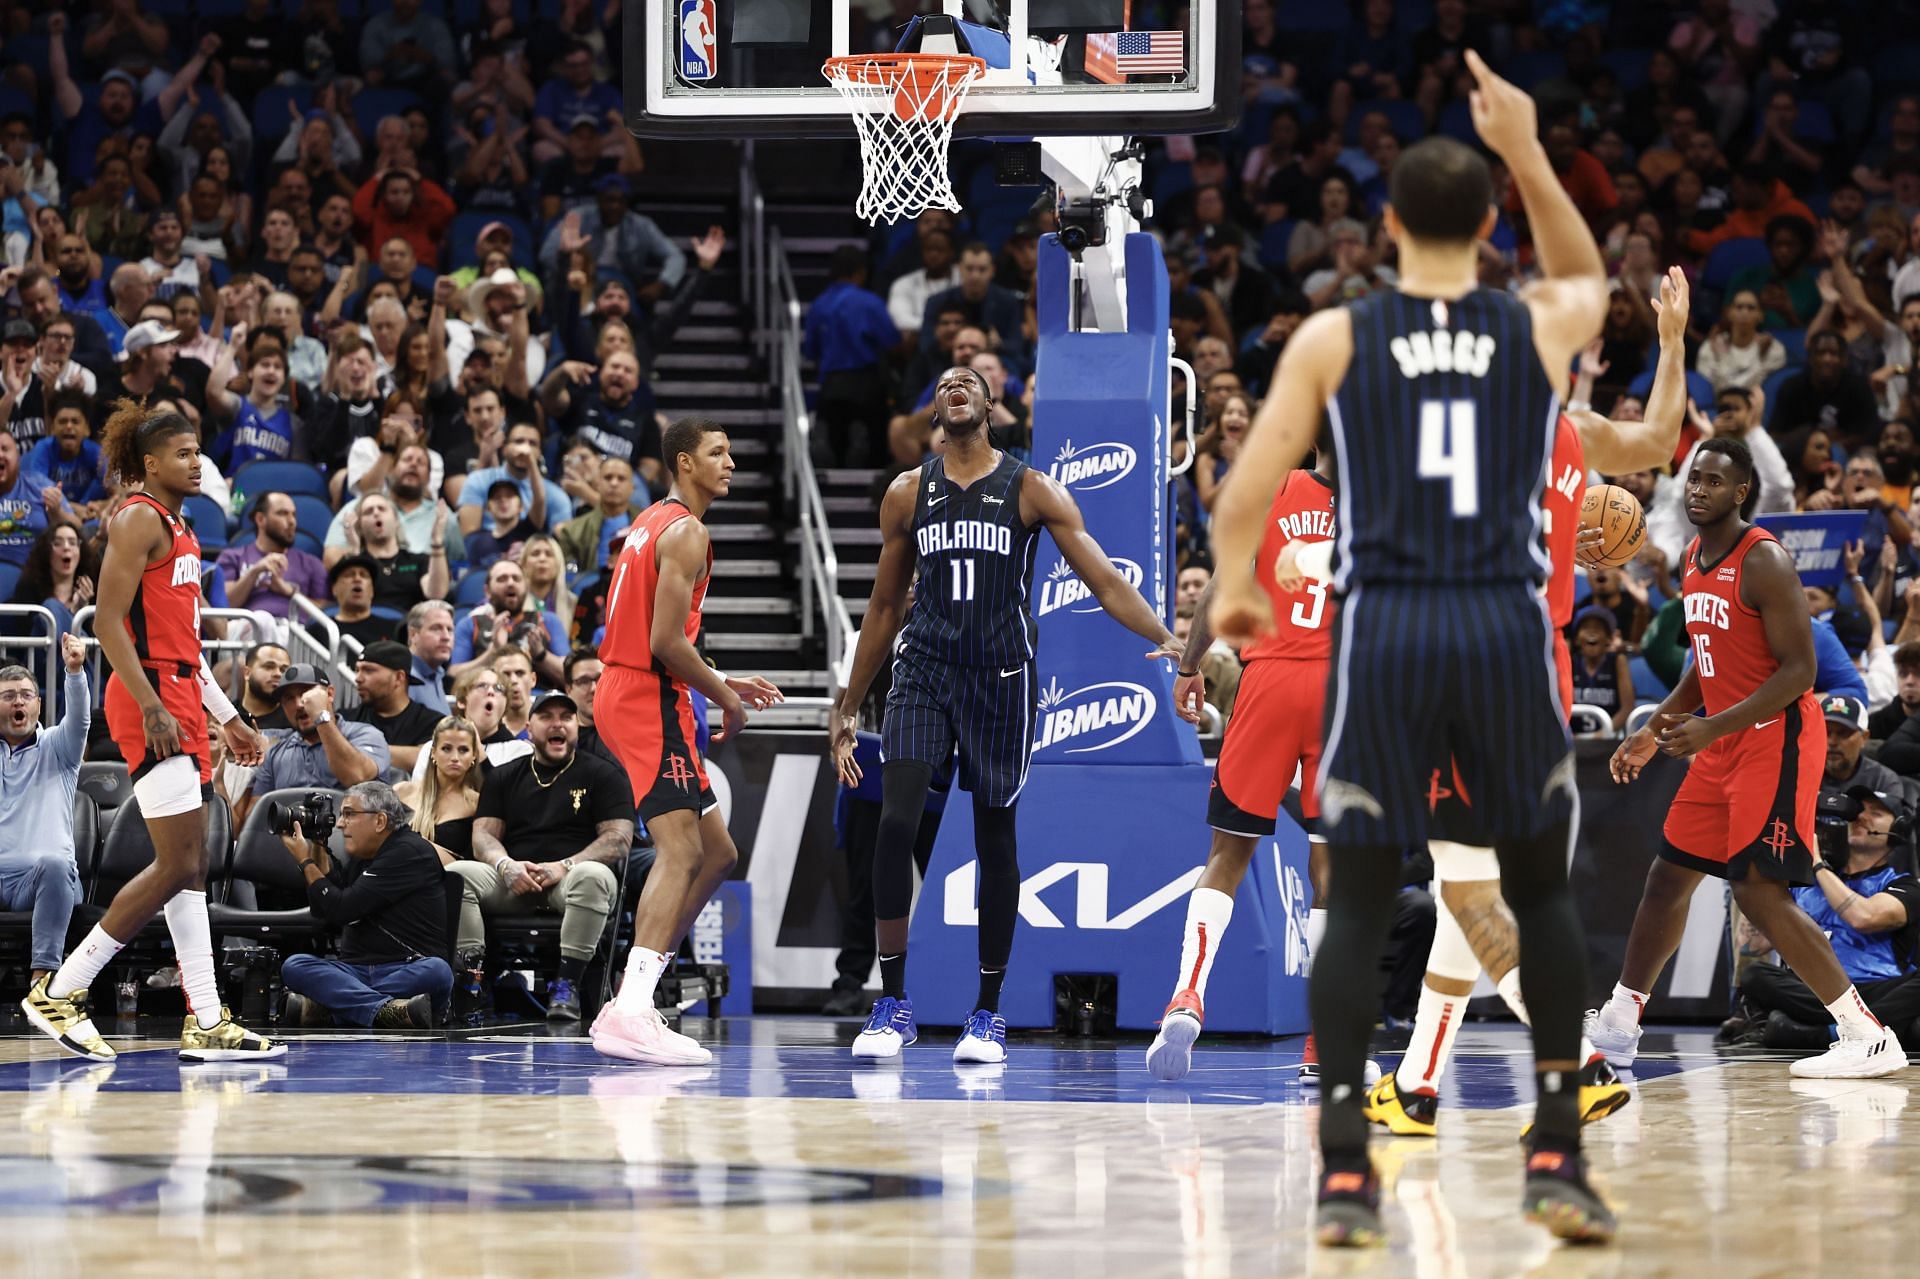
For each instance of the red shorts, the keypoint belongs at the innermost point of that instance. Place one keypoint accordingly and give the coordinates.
(1275, 729)
(647, 721)
(1748, 800)
(179, 690)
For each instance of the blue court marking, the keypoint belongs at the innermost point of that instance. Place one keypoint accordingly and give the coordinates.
(808, 1060)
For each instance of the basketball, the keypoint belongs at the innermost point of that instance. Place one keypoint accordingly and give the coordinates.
(1616, 511)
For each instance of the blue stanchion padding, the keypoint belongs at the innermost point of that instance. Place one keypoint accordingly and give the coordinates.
(723, 934)
(1100, 429)
(1108, 855)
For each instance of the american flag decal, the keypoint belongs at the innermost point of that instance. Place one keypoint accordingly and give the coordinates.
(1150, 52)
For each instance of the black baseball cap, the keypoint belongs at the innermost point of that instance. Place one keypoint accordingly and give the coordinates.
(1895, 804)
(353, 561)
(394, 656)
(19, 330)
(550, 696)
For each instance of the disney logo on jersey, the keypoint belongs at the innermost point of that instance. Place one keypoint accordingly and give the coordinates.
(1096, 466)
(1095, 717)
(1441, 351)
(1064, 589)
(186, 570)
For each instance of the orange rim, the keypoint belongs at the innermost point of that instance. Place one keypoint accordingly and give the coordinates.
(925, 72)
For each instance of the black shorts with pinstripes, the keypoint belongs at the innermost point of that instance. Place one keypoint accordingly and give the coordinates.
(986, 711)
(1426, 673)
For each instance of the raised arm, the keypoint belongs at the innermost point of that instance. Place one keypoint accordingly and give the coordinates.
(886, 610)
(66, 94)
(1049, 504)
(1614, 448)
(1570, 303)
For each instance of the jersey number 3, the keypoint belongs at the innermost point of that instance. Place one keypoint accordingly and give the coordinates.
(1447, 452)
(1308, 612)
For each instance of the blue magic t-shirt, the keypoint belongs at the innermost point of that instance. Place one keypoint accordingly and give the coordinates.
(82, 477)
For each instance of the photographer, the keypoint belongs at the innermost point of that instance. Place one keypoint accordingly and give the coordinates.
(387, 899)
(1870, 911)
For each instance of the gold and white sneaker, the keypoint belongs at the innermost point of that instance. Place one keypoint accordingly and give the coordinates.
(228, 1041)
(66, 1021)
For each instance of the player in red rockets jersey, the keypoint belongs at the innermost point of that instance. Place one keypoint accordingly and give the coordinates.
(645, 716)
(156, 702)
(1274, 733)
(1745, 812)
(1468, 875)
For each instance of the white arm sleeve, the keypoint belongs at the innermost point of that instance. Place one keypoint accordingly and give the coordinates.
(1316, 560)
(213, 698)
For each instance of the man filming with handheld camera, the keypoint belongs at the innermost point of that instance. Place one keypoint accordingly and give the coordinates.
(388, 901)
(1868, 904)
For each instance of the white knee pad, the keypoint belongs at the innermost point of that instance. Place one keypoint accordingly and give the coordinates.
(1462, 863)
(1450, 957)
(170, 787)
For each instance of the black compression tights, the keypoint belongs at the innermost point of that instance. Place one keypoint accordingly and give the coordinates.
(903, 798)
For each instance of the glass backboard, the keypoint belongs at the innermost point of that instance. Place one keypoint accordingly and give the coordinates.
(726, 69)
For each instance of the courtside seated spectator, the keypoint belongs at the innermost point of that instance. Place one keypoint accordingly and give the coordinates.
(430, 640)
(549, 829)
(388, 902)
(380, 677)
(323, 751)
(351, 581)
(263, 573)
(511, 619)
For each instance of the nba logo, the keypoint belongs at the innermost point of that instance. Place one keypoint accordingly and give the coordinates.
(697, 39)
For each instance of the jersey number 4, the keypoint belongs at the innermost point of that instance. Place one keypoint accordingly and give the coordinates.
(1447, 452)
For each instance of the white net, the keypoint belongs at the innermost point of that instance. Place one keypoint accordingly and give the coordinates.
(904, 107)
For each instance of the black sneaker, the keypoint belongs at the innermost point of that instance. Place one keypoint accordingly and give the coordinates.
(1782, 1031)
(1347, 1214)
(301, 1011)
(562, 1003)
(1558, 1197)
(845, 1003)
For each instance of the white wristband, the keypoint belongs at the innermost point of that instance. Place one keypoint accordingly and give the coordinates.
(1315, 560)
(214, 699)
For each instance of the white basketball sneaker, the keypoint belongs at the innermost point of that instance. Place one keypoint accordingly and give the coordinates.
(1863, 1057)
(890, 1027)
(644, 1037)
(1617, 1044)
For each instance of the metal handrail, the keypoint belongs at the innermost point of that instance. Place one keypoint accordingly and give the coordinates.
(329, 653)
(774, 299)
(48, 645)
(262, 624)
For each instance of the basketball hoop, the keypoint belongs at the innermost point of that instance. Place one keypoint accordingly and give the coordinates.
(904, 106)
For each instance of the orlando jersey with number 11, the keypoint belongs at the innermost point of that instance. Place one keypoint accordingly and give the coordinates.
(1443, 427)
(975, 569)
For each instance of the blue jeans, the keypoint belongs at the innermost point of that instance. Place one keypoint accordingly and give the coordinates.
(48, 886)
(355, 992)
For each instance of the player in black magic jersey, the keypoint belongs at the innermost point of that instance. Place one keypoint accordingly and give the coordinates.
(968, 522)
(1443, 399)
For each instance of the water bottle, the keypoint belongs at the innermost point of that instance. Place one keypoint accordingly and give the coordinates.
(126, 1001)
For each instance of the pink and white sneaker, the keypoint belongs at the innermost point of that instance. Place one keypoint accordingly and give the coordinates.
(644, 1037)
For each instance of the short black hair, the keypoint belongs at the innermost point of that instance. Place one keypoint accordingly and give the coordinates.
(1825, 336)
(1794, 223)
(1739, 393)
(684, 436)
(255, 651)
(68, 397)
(1441, 190)
(848, 261)
(258, 506)
(1734, 450)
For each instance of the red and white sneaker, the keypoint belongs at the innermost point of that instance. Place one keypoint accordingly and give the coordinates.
(1310, 1066)
(1171, 1055)
(644, 1037)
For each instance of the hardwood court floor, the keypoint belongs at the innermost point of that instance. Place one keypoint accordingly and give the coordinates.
(522, 1154)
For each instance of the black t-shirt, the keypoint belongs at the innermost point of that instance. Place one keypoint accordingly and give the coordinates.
(551, 817)
(396, 912)
(411, 727)
(628, 432)
(573, 187)
(28, 422)
(368, 630)
(401, 581)
(335, 423)
(1883, 722)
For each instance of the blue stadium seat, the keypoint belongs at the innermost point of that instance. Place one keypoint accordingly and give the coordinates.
(1456, 122)
(1629, 66)
(288, 477)
(12, 100)
(1793, 342)
(313, 515)
(9, 578)
(271, 120)
(1647, 687)
(1730, 257)
(1771, 387)
(1310, 15)
(1409, 124)
(1273, 243)
(1171, 179)
(371, 106)
(309, 543)
(1697, 386)
(207, 520)
(460, 246)
(470, 591)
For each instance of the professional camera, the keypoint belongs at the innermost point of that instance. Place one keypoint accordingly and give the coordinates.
(315, 814)
(1833, 815)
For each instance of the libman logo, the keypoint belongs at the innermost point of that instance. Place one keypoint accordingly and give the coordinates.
(1064, 589)
(1096, 717)
(1093, 467)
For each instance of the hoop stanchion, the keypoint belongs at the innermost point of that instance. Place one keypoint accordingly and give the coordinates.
(904, 105)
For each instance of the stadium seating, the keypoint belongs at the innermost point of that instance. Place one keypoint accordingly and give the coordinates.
(293, 478)
(260, 894)
(16, 926)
